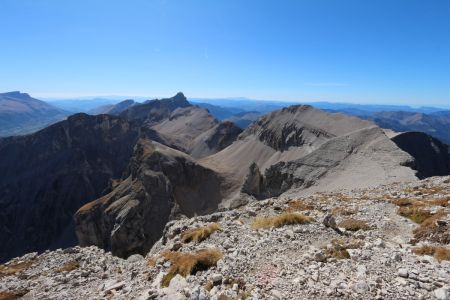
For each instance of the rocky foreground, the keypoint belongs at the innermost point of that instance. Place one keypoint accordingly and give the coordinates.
(389, 242)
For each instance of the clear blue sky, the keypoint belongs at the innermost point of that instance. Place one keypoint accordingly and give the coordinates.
(384, 51)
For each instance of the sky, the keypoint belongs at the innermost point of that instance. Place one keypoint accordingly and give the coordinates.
(379, 52)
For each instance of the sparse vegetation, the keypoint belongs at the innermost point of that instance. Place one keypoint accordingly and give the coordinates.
(339, 247)
(287, 218)
(343, 211)
(13, 294)
(440, 253)
(14, 268)
(189, 263)
(430, 231)
(444, 202)
(415, 214)
(298, 205)
(241, 296)
(197, 235)
(151, 261)
(354, 225)
(68, 266)
(403, 202)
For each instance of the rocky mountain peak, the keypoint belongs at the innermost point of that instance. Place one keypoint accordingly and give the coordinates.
(300, 125)
(179, 100)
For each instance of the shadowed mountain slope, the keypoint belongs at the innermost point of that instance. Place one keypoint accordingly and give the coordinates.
(48, 175)
(432, 157)
(160, 183)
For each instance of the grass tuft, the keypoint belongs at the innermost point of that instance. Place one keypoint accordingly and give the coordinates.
(403, 202)
(68, 266)
(429, 230)
(297, 205)
(189, 263)
(342, 211)
(197, 235)
(11, 269)
(151, 261)
(283, 219)
(440, 253)
(339, 247)
(415, 214)
(13, 294)
(354, 225)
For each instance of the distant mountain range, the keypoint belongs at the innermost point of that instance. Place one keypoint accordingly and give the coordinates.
(21, 114)
(116, 178)
(431, 120)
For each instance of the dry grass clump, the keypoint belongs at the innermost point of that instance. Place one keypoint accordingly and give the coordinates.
(429, 230)
(354, 225)
(242, 296)
(440, 253)
(403, 202)
(339, 247)
(296, 205)
(151, 261)
(337, 253)
(444, 202)
(189, 263)
(12, 295)
(415, 214)
(287, 218)
(199, 234)
(68, 266)
(11, 269)
(343, 211)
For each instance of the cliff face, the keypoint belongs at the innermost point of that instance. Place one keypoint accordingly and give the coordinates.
(161, 183)
(48, 175)
(432, 157)
(363, 158)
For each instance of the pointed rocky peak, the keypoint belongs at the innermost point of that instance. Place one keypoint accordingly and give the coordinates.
(155, 110)
(179, 100)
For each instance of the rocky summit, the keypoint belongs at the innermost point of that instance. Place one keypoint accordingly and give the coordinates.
(384, 242)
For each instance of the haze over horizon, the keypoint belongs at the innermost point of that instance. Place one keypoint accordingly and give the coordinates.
(381, 52)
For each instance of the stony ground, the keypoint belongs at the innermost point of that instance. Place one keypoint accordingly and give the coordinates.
(355, 246)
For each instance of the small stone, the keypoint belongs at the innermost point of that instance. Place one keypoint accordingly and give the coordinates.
(402, 281)
(397, 257)
(402, 273)
(441, 294)
(329, 221)
(135, 258)
(115, 286)
(276, 294)
(361, 287)
(217, 279)
(320, 256)
(379, 243)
